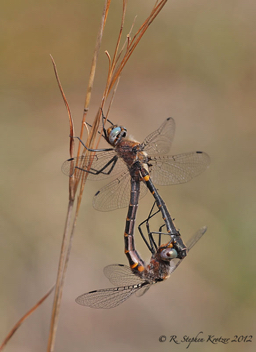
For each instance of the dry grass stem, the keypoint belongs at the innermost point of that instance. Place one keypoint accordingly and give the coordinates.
(71, 129)
(73, 183)
(18, 324)
(93, 71)
(59, 281)
(116, 65)
(134, 42)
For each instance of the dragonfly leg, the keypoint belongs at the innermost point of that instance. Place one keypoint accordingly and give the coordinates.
(151, 243)
(92, 150)
(113, 161)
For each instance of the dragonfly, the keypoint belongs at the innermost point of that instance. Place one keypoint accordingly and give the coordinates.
(139, 278)
(150, 159)
(144, 162)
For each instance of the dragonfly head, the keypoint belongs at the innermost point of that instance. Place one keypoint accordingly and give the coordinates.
(115, 134)
(173, 249)
(167, 252)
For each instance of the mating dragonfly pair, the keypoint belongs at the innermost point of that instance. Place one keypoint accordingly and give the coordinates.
(142, 165)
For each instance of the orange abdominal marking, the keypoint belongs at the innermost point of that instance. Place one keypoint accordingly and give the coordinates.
(146, 178)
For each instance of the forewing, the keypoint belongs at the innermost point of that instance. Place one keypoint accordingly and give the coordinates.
(168, 169)
(119, 274)
(116, 194)
(106, 298)
(99, 161)
(190, 243)
(160, 141)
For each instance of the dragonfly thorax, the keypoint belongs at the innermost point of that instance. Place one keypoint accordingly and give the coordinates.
(156, 270)
(129, 151)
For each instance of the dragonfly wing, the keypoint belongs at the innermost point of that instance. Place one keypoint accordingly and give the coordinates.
(168, 169)
(195, 238)
(160, 141)
(143, 290)
(98, 165)
(106, 298)
(116, 194)
(190, 243)
(119, 274)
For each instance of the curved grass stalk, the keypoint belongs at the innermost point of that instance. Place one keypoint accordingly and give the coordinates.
(116, 66)
(22, 319)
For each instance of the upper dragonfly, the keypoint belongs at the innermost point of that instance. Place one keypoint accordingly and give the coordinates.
(151, 159)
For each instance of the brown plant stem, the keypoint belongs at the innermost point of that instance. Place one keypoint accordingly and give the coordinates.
(116, 66)
(58, 289)
(18, 324)
(93, 68)
(73, 183)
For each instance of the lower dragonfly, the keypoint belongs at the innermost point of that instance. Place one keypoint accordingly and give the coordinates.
(139, 277)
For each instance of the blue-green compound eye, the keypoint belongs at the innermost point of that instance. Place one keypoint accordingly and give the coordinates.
(169, 253)
(113, 134)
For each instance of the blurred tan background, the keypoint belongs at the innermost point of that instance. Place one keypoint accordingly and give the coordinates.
(196, 63)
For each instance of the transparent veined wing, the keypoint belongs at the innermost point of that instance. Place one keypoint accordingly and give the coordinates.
(175, 169)
(102, 165)
(160, 141)
(116, 194)
(109, 297)
(143, 290)
(119, 274)
(195, 238)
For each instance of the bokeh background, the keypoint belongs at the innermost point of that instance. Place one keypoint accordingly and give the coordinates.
(196, 63)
